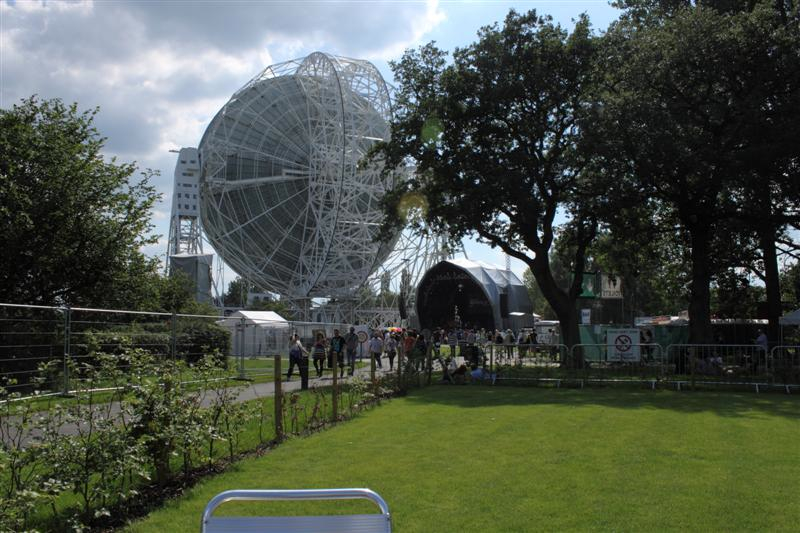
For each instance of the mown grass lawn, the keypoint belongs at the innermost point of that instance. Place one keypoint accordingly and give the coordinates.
(526, 459)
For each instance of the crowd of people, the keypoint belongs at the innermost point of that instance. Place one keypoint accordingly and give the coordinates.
(340, 352)
(462, 353)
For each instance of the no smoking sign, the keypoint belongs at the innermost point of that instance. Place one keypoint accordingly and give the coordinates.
(622, 345)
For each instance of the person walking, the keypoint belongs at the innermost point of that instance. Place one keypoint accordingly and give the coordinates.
(351, 343)
(376, 348)
(318, 354)
(508, 340)
(437, 340)
(761, 354)
(408, 347)
(452, 341)
(296, 354)
(336, 351)
(391, 350)
(420, 350)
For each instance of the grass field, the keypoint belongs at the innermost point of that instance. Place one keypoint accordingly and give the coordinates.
(526, 459)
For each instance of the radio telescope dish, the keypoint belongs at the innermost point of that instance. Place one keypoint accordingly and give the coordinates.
(283, 198)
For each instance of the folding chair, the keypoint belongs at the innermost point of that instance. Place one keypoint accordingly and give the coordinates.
(357, 523)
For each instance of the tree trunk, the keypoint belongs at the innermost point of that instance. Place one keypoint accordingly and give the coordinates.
(562, 305)
(700, 300)
(772, 282)
(571, 334)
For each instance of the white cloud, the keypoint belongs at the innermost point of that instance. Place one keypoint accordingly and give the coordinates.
(160, 70)
(422, 24)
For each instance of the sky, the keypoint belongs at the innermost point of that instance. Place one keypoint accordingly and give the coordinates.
(160, 70)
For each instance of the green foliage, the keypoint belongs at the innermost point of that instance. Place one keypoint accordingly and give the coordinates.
(734, 297)
(494, 137)
(699, 104)
(99, 460)
(278, 306)
(540, 305)
(650, 266)
(236, 296)
(72, 222)
(197, 337)
(79, 461)
(790, 283)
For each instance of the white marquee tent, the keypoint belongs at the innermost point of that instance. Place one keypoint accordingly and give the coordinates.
(257, 333)
(791, 319)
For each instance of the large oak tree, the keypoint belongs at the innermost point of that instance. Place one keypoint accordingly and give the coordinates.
(702, 103)
(494, 137)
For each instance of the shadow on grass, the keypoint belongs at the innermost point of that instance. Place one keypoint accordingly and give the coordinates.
(722, 403)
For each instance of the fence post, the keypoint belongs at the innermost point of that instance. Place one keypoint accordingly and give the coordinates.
(278, 399)
(335, 392)
(173, 344)
(400, 355)
(67, 332)
(429, 361)
(372, 368)
(241, 328)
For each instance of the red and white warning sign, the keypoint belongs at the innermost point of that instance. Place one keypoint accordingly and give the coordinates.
(623, 345)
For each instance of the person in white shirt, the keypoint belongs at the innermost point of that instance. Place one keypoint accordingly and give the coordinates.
(376, 348)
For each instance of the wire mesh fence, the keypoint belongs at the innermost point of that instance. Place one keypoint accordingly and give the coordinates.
(48, 349)
(651, 365)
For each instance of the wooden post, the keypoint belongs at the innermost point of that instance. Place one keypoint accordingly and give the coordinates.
(278, 400)
(429, 361)
(335, 393)
(173, 341)
(66, 361)
(400, 354)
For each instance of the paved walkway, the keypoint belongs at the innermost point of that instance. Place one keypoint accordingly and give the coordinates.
(261, 390)
(246, 392)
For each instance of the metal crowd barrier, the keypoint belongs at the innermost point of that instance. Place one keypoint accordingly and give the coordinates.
(678, 366)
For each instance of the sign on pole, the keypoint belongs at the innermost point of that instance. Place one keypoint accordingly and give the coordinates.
(623, 345)
(590, 285)
(363, 334)
(610, 288)
(586, 316)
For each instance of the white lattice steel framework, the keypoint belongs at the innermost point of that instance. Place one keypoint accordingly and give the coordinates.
(283, 197)
(282, 191)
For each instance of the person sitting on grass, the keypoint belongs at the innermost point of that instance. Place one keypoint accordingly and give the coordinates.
(448, 368)
(481, 374)
(459, 374)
